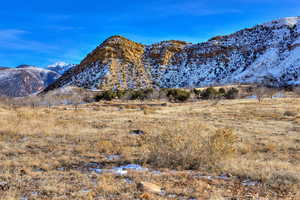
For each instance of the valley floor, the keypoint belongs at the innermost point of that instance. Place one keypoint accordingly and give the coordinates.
(233, 149)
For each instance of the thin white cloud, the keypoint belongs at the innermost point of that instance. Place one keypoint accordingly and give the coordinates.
(11, 34)
(13, 39)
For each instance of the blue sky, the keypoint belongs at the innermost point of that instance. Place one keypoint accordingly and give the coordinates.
(41, 32)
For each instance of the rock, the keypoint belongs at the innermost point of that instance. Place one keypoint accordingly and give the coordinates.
(145, 196)
(290, 113)
(137, 132)
(4, 186)
(149, 187)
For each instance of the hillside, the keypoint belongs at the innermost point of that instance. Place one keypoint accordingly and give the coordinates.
(269, 51)
(24, 80)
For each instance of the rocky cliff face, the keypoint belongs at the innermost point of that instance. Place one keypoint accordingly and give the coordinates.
(24, 80)
(248, 56)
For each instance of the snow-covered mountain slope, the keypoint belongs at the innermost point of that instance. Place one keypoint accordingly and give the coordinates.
(25, 80)
(270, 51)
(2, 68)
(60, 67)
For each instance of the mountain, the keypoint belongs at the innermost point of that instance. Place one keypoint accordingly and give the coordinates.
(24, 66)
(25, 80)
(2, 68)
(269, 51)
(60, 67)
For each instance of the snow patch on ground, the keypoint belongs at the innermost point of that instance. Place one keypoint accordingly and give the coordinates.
(249, 183)
(121, 170)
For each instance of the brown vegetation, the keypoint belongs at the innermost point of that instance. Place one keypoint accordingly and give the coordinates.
(47, 153)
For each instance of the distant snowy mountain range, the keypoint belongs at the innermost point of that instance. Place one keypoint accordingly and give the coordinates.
(270, 51)
(60, 67)
(27, 79)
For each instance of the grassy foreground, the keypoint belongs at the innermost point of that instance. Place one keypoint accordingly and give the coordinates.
(48, 153)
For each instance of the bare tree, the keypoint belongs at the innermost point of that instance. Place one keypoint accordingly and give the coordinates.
(296, 90)
(267, 87)
(270, 92)
(260, 92)
(270, 81)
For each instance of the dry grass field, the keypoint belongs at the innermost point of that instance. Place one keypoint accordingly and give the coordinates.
(236, 149)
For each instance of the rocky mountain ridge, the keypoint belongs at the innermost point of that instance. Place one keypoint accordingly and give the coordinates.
(247, 56)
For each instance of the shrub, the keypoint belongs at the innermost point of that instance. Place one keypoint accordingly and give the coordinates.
(163, 94)
(140, 94)
(120, 93)
(209, 93)
(197, 92)
(232, 93)
(221, 144)
(178, 95)
(296, 90)
(180, 147)
(249, 89)
(290, 113)
(111, 94)
(288, 88)
(222, 91)
(106, 95)
(260, 93)
(271, 91)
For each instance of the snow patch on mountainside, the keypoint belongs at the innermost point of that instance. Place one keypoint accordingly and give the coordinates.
(47, 76)
(297, 41)
(262, 66)
(90, 77)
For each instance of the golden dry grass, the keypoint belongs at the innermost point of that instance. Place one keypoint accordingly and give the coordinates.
(44, 152)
